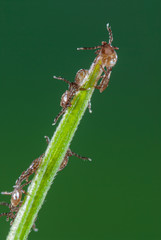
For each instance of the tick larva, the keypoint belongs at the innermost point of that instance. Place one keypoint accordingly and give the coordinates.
(109, 59)
(70, 93)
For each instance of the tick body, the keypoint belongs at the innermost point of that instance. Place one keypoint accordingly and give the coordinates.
(109, 58)
(74, 87)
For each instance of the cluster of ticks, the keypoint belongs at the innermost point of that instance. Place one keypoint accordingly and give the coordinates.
(109, 55)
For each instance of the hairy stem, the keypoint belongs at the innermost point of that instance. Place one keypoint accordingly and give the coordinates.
(54, 155)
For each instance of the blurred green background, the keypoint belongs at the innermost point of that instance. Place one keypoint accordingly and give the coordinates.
(118, 194)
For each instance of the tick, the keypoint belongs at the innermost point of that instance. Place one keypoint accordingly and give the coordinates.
(16, 194)
(109, 59)
(74, 87)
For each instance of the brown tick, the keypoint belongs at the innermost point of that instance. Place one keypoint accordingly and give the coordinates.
(74, 87)
(16, 194)
(109, 59)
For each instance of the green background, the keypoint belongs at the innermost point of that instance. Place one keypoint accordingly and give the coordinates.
(118, 194)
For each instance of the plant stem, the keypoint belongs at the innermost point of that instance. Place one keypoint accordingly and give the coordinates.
(54, 155)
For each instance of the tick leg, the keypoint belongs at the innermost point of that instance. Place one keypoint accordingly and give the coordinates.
(110, 34)
(23, 191)
(25, 185)
(83, 89)
(26, 174)
(8, 215)
(5, 204)
(89, 48)
(78, 156)
(89, 107)
(34, 226)
(21, 178)
(33, 168)
(6, 193)
(47, 139)
(4, 214)
(63, 79)
(12, 221)
(58, 116)
(105, 80)
(13, 218)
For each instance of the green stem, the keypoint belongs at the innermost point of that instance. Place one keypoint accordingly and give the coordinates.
(54, 155)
